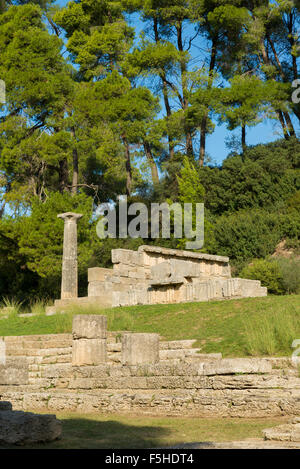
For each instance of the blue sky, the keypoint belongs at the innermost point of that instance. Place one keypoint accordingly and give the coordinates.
(266, 131)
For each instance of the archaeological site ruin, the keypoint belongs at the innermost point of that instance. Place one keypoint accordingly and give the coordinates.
(150, 275)
(96, 370)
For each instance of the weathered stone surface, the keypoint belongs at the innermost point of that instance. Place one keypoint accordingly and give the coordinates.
(88, 352)
(17, 427)
(288, 432)
(15, 371)
(96, 274)
(229, 366)
(181, 253)
(140, 348)
(89, 326)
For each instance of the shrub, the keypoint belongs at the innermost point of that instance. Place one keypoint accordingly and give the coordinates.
(290, 274)
(268, 272)
(280, 275)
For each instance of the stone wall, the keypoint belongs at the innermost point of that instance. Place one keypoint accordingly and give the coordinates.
(154, 275)
(145, 375)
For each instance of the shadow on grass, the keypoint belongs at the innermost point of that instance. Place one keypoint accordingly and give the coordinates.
(85, 433)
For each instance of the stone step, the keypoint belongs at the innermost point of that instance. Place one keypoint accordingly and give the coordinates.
(179, 353)
(32, 352)
(38, 337)
(176, 344)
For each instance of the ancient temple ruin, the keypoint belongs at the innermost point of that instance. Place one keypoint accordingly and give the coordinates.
(154, 275)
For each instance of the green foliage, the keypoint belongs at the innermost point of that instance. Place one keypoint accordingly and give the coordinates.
(280, 275)
(266, 175)
(267, 271)
(190, 186)
(290, 274)
(247, 234)
(107, 113)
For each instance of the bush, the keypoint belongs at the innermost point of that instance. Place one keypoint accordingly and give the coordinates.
(290, 274)
(280, 275)
(268, 272)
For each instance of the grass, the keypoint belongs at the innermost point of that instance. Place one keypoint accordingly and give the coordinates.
(248, 326)
(86, 431)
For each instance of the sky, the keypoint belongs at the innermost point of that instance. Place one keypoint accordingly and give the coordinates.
(266, 131)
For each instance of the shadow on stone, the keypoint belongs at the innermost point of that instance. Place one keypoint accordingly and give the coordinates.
(24, 428)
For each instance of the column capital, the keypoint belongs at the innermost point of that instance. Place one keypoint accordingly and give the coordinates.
(70, 216)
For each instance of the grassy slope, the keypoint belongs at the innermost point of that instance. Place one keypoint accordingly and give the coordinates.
(115, 431)
(218, 326)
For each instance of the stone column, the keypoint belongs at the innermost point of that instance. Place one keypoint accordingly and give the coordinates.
(69, 280)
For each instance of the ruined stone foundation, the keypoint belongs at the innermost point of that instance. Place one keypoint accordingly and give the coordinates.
(154, 275)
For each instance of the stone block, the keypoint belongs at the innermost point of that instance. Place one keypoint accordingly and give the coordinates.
(14, 372)
(228, 366)
(140, 348)
(126, 256)
(287, 432)
(89, 326)
(88, 352)
(17, 427)
(96, 274)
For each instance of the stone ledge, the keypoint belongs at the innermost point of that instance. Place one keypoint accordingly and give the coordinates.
(182, 253)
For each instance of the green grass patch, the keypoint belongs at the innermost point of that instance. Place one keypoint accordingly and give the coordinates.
(96, 431)
(248, 326)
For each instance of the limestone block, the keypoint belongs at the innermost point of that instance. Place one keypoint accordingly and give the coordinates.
(17, 427)
(137, 272)
(96, 274)
(89, 326)
(121, 270)
(15, 371)
(229, 366)
(96, 288)
(126, 256)
(287, 432)
(88, 352)
(177, 253)
(140, 348)
(248, 288)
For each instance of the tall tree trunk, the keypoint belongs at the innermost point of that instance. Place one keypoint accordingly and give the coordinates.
(127, 166)
(202, 140)
(154, 171)
(283, 124)
(244, 146)
(203, 126)
(63, 175)
(185, 103)
(75, 166)
(165, 92)
(289, 124)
